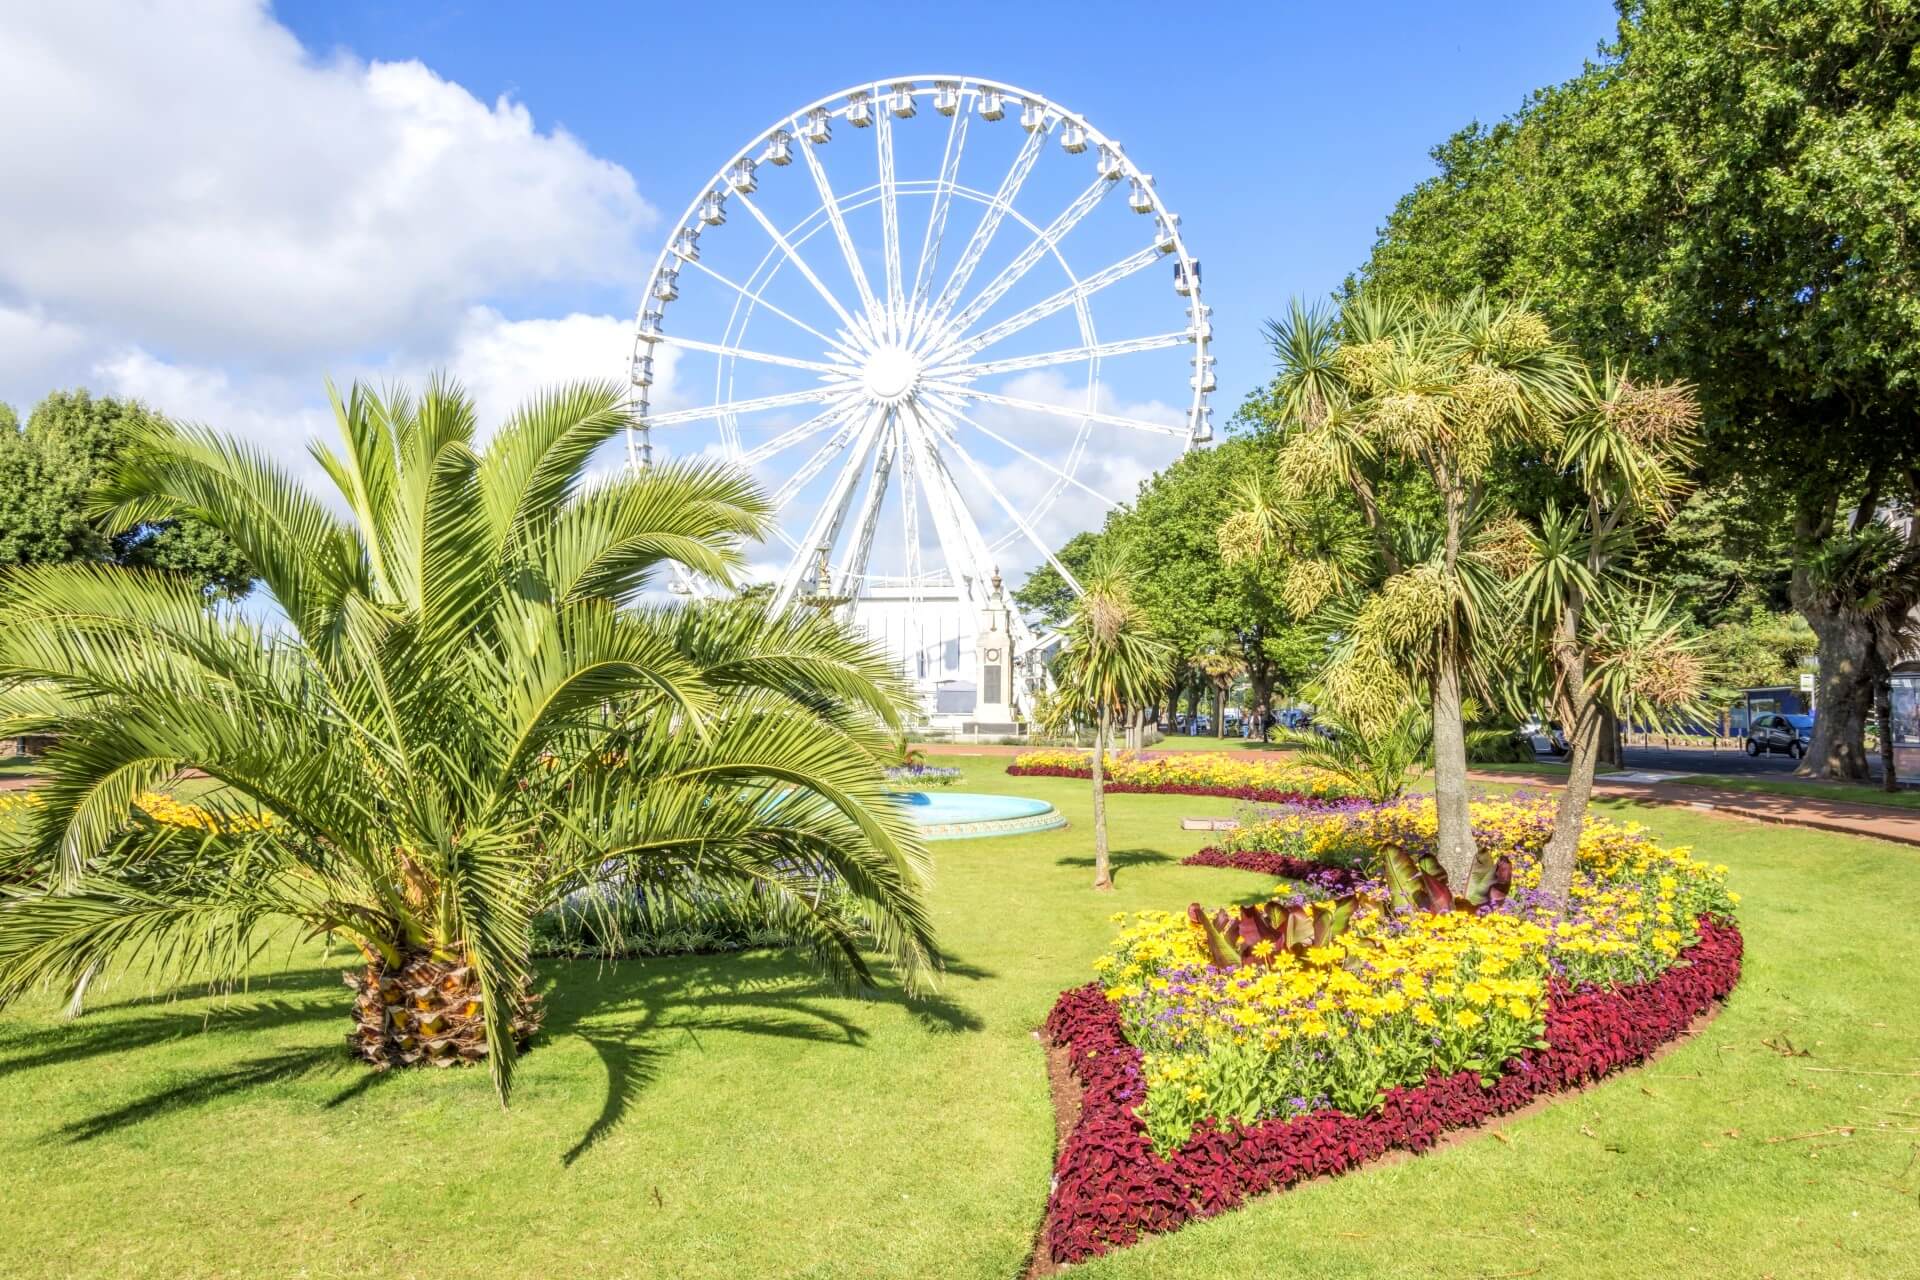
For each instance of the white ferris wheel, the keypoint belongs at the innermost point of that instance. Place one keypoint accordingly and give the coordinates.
(929, 380)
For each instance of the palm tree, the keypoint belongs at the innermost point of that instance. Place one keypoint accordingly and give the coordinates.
(1602, 642)
(467, 716)
(1113, 662)
(1403, 406)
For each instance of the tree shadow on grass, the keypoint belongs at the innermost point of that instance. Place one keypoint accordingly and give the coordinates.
(287, 1064)
(1119, 859)
(637, 1012)
(628, 1012)
(102, 1031)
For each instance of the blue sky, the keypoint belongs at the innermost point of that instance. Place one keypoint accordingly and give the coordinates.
(1282, 132)
(231, 202)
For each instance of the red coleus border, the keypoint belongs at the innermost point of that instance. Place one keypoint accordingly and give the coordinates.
(1258, 795)
(1111, 1188)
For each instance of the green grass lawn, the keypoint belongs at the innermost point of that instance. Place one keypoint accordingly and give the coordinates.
(1840, 791)
(731, 1117)
(18, 767)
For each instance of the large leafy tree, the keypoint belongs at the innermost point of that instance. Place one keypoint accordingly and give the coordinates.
(47, 471)
(1727, 197)
(467, 715)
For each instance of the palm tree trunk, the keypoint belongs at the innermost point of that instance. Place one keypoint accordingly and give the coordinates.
(426, 1010)
(1102, 873)
(1585, 727)
(1456, 850)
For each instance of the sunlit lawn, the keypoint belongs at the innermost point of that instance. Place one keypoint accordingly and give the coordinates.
(1841, 792)
(730, 1117)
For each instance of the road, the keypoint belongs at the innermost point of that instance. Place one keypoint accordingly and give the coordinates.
(1693, 760)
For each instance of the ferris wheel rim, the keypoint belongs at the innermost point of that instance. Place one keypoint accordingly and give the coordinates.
(875, 94)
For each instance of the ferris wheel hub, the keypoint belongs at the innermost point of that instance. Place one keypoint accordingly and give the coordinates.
(891, 374)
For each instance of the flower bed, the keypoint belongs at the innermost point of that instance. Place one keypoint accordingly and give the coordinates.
(1226, 1055)
(1191, 773)
(1111, 1186)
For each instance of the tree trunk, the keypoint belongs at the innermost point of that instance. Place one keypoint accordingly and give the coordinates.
(1585, 724)
(1172, 708)
(1456, 850)
(1262, 696)
(1606, 739)
(1102, 873)
(428, 1010)
(1839, 746)
(1220, 710)
(1883, 712)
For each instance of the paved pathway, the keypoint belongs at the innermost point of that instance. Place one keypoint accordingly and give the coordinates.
(1883, 822)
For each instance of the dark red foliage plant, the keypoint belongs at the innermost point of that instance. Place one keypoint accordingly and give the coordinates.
(1111, 1187)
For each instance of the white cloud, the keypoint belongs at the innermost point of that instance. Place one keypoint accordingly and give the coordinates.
(187, 177)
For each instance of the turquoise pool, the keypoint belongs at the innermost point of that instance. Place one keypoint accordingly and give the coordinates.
(967, 815)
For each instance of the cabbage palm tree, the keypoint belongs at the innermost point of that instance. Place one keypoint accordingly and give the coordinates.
(468, 713)
(1113, 662)
(1605, 647)
(1403, 406)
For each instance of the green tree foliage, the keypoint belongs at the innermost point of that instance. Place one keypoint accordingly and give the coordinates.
(1199, 601)
(1726, 197)
(1045, 595)
(47, 474)
(461, 725)
(1755, 649)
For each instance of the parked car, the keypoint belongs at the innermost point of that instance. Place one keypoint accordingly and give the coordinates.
(1548, 737)
(1773, 732)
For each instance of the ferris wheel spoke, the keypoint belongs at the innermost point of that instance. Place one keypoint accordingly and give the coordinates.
(889, 222)
(953, 411)
(945, 434)
(1067, 355)
(1068, 411)
(854, 567)
(814, 465)
(824, 529)
(764, 357)
(960, 542)
(837, 220)
(1024, 261)
(942, 203)
(989, 223)
(812, 395)
(799, 263)
(833, 344)
(794, 435)
(1067, 297)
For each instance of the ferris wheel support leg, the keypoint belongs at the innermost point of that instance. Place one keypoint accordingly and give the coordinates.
(854, 569)
(825, 526)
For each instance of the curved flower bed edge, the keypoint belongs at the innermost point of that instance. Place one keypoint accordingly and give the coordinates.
(1111, 1187)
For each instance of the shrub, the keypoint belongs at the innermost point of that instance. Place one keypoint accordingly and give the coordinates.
(624, 919)
(921, 776)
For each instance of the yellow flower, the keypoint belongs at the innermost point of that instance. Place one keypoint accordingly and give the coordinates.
(1467, 1019)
